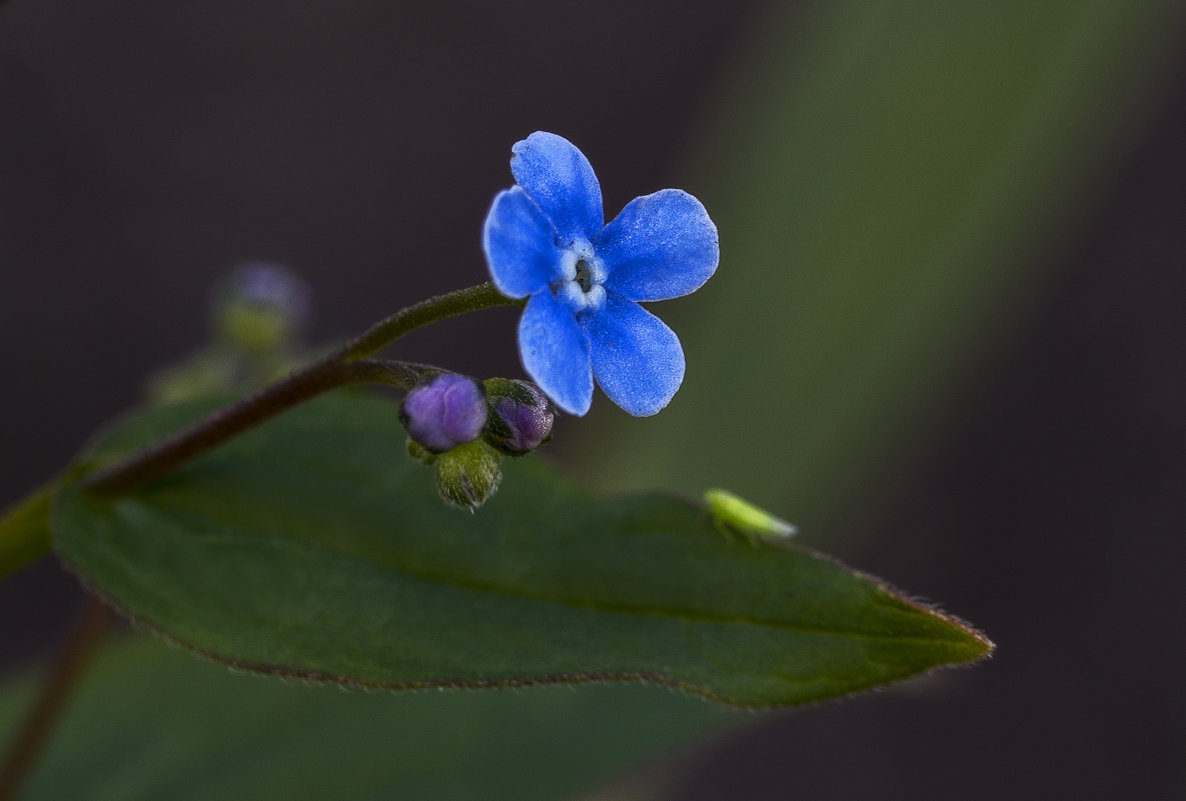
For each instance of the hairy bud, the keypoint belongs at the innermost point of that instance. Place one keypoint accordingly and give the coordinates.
(520, 418)
(468, 475)
(443, 411)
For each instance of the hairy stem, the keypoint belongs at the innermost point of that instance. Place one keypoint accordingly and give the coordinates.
(344, 366)
(33, 734)
(451, 304)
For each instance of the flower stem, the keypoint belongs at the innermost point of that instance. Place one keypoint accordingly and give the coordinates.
(344, 366)
(451, 304)
(33, 733)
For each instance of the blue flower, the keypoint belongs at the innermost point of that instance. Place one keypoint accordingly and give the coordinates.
(546, 240)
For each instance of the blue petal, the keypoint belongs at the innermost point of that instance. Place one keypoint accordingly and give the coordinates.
(637, 359)
(555, 353)
(559, 178)
(519, 244)
(661, 246)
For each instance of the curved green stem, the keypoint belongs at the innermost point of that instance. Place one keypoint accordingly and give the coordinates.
(343, 366)
(451, 304)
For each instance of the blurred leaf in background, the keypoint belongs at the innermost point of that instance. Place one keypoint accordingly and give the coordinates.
(151, 722)
(887, 178)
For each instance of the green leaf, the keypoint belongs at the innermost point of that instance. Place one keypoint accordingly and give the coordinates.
(314, 547)
(149, 722)
(24, 530)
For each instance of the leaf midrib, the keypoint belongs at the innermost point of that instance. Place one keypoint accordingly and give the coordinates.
(508, 591)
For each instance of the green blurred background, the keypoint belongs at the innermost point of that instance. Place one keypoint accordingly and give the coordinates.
(945, 339)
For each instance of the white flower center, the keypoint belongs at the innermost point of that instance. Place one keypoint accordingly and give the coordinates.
(581, 277)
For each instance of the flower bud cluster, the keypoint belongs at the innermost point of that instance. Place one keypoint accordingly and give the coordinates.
(463, 428)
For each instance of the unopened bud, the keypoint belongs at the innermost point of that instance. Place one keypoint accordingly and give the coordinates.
(521, 416)
(443, 411)
(468, 475)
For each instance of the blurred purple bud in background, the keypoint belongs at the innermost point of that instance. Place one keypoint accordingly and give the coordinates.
(271, 284)
(262, 306)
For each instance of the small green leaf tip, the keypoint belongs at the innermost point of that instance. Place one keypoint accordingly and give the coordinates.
(732, 513)
(468, 475)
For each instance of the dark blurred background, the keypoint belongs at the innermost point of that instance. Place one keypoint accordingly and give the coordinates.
(946, 337)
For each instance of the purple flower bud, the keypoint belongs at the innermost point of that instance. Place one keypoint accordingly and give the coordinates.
(521, 416)
(444, 410)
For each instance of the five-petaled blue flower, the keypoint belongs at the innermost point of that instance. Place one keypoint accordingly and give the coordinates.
(546, 240)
